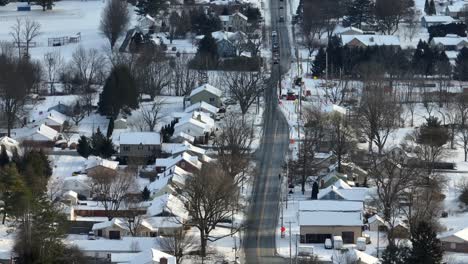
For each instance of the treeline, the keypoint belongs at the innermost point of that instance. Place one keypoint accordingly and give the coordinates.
(31, 210)
(424, 60)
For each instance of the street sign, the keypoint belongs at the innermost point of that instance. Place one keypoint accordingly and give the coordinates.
(283, 230)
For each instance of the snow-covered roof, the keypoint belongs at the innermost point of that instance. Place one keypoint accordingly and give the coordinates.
(167, 203)
(176, 148)
(191, 121)
(329, 205)
(438, 19)
(365, 258)
(199, 116)
(461, 234)
(107, 224)
(330, 218)
(206, 87)
(125, 244)
(152, 256)
(172, 161)
(335, 108)
(184, 136)
(240, 15)
(137, 138)
(372, 40)
(348, 29)
(449, 40)
(224, 18)
(457, 6)
(352, 194)
(56, 117)
(8, 142)
(48, 133)
(94, 161)
(374, 218)
(452, 54)
(202, 106)
(164, 222)
(70, 194)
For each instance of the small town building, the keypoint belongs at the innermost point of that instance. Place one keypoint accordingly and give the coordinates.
(450, 42)
(376, 223)
(80, 184)
(455, 241)
(320, 219)
(96, 166)
(113, 229)
(184, 161)
(234, 22)
(139, 147)
(456, 9)
(208, 94)
(350, 31)
(202, 107)
(55, 120)
(42, 137)
(362, 41)
(427, 21)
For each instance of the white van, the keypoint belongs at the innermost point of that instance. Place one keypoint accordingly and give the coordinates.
(361, 243)
(337, 242)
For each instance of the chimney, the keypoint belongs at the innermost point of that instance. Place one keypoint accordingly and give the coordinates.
(163, 260)
(199, 117)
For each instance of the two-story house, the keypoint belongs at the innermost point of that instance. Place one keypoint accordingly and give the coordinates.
(139, 147)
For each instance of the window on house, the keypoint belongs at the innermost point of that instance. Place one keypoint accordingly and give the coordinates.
(149, 147)
(453, 245)
(126, 148)
(140, 146)
(212, 99)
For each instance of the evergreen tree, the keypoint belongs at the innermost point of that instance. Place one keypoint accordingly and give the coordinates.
(107, 148)
(432, 8)
(394, 254)
(4, 2)
(427, 248)
(119, 91)
(36, 170)
(110, 127)
(424, 59)
(358, 12)
(13, 191)
(97, 141)
(426, 7)
(319, 64)
(461, 65)
(335, 56)
(4, 159)
(207, 53)
(315, 191)
(145, 194)
(83, 148)
(150, 7)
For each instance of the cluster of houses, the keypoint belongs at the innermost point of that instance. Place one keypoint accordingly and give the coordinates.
(170, 164)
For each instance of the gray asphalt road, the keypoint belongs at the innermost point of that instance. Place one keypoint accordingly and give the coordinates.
(259, 242)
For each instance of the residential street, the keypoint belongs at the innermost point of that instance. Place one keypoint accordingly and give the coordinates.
(260, 238)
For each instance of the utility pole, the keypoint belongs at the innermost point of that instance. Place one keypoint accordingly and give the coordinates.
(290, 242)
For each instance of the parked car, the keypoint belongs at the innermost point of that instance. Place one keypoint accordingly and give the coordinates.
(274, 34)
(290, 96)
(281, 19)
(361, 243)
(328, 243)
(230, 101)
(91, 235)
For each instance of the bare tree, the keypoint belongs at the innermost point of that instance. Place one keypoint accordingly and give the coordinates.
(391, 179)
(16, 34)
(178, 245)
(244, 87)
(32, 29)
(463, 138)
(183, 79)
(151, 113)
(111, 189)
(153, 73)
(336, 93)
(378, 112)
(342, 136)
(78, 111)
(115, 18)
(134, 216)
(16, 79)
(53, 63)
(209, 198)
(87, 65)
(388, 14)
(233, 143)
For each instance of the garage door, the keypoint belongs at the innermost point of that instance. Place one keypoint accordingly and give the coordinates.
(348, 237)
(114, 234)
(316, 238)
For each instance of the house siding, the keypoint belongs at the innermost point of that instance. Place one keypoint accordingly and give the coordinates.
(332, 230)
(458, 247)
(207, 97)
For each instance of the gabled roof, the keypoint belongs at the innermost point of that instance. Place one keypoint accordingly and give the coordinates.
(202, 106)
(152, 256)
(330, 218)
(352, 194)
(176, 148)
(191, 121)
(137, 138)
(372, 40)
(457, 6)
(330, 205)
(460, 234)
(374, 218)
(438, 19)
(449, 40)
(240, 15)
(357, 30)
(94, 161)
(56, 117)
(206, 87)
(183, 135)
(172, 161)
(107, 224)
(47, 132)
(224, 18)
(167, 203)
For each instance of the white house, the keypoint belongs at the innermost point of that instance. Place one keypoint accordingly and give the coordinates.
(234, 22)
(193, 127)
(167, 205)
(376, 223)
(202, 107)
(456, 9)
(182, 137)
(450, 42)
(55, 120)
(80, 184)
(427, 21)
(350, 31)
(153, 256)
(370, 40)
